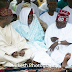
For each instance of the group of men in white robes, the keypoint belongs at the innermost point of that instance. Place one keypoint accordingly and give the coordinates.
(14, 49)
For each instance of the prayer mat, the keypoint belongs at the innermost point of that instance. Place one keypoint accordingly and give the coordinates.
(30, 69)
(34, 69)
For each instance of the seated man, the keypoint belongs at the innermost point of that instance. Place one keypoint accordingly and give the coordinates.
(58, 39)
(43, 24)
(28, 26)
(13, 48)
(50, 16)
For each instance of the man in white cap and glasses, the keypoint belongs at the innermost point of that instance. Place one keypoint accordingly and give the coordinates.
(58, 39)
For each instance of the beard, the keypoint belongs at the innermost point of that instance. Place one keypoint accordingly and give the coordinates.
(5, 24)
(60, 27)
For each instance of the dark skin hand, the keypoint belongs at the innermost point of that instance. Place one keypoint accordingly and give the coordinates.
(21, 53)
(65, 43)
(52, 47)
(15, 54)
(53, 39)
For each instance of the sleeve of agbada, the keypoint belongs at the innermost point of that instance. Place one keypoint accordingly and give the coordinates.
(17, 43)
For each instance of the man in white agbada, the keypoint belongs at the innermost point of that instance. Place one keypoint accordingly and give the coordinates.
(13, 48)
(58, 39)
(50, 16)
(69, 9)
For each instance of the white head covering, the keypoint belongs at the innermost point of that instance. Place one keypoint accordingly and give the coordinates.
(23, 16)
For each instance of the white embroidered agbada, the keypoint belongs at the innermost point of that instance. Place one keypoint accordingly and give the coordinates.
(60, 50)
(48, 19)
(11, 41)
(67, 8)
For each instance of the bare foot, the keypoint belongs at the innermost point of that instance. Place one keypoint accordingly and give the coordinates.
(66, 58)
(29, 61)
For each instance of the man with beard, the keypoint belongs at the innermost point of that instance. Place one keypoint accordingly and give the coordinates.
(58, 39)
(13, 48)
(50, 16)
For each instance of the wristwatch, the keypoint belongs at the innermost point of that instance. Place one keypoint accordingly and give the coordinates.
(59, 42)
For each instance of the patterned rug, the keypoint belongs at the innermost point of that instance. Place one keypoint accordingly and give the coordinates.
(31, 69)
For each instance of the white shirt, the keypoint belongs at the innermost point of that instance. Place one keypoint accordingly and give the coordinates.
(11, 41)
(48, 19)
